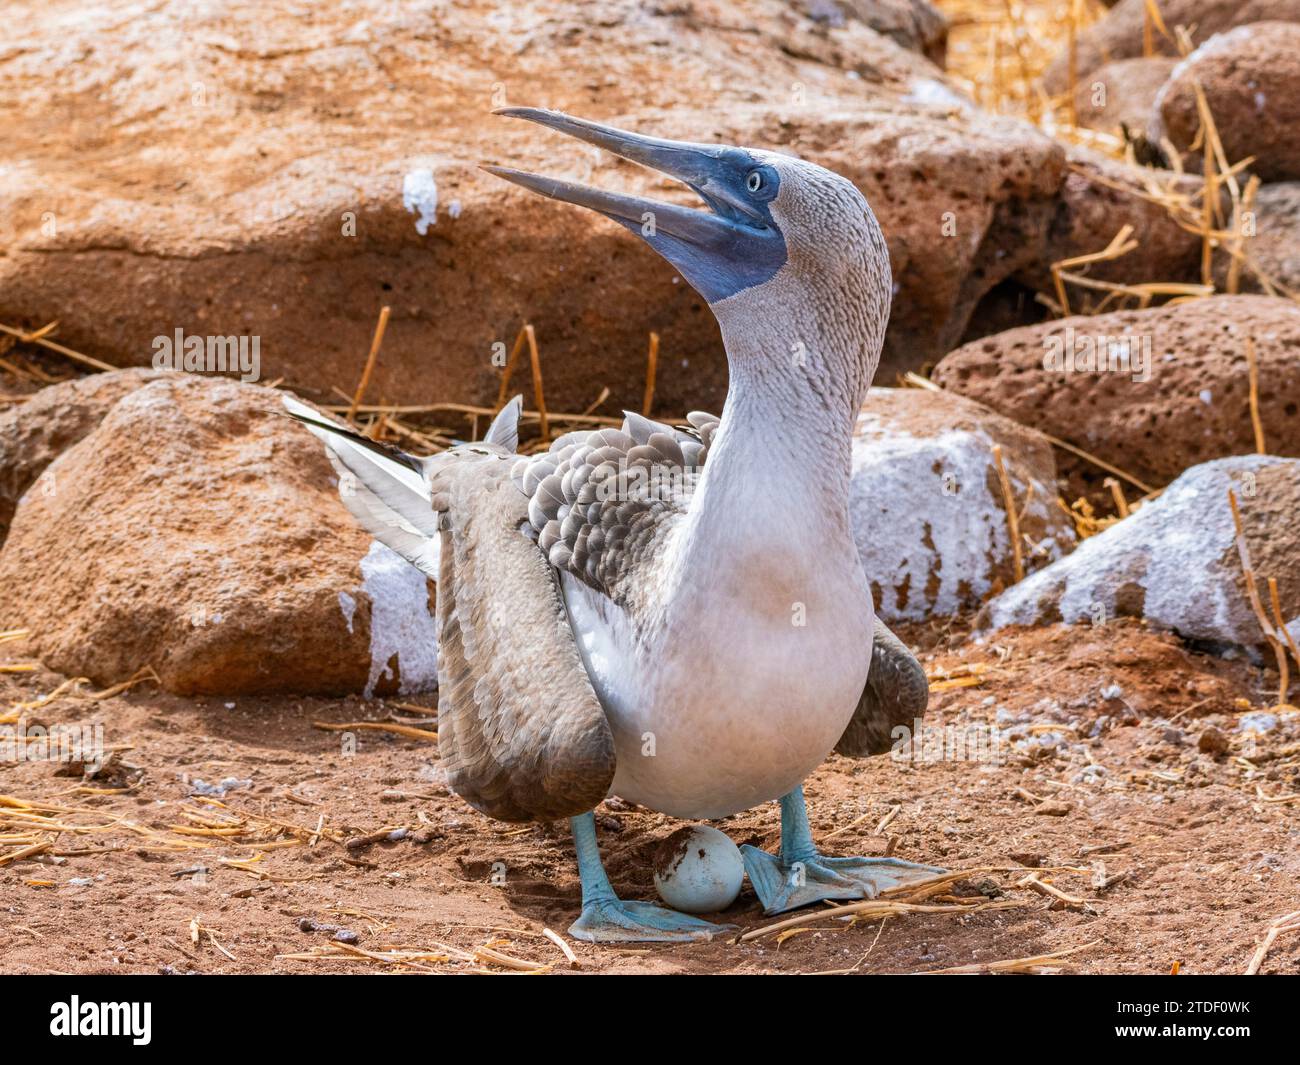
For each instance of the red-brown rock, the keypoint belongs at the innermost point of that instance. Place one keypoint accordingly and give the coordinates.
(1119, 35)
(1193, 405)
(1175, 561)
(239, 170)
(34, 433)
(1271, 249)
(928, 511)
(1251, 80)
(1099, 197)
(1122, 93)
(197, 530)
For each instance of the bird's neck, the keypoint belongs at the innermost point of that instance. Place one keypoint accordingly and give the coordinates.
(777, 475)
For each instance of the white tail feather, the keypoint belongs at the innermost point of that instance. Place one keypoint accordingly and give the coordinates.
(390, 500)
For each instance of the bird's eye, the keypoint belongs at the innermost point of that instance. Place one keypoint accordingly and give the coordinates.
(755, 181)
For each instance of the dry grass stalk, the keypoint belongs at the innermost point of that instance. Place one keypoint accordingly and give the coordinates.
(39, 337)
(1084, 516)
(967, 675)
(26, 852)
(888, 820)
(1065, 445)
(144, 673)
(1117, 494)
(1252, 364)
(870, 910)
(373, 355)
(377, 726)
(1252, 593)
(1209, 195)
(857, 964)
(1237, 249)
(1072, 902)
(536, 359)
(509, 370)
(71, 688)
(1013, 521)
(1016, 23)
(1284, 633)
(1287, 923)
(495, 957)
(565, 949)
(1038, 964)
(1072, 64)
(472, 409)
(651, 367)
(1120, 245)
(909, 897)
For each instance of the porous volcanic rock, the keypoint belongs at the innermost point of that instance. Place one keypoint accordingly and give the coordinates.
(197, 530)
(278, 171)
(1272, 247)
(915, 24)
(1251, 80)
(1099, 196)
(1119, 35)
(34, 433)
(1122, 93)
(1175, 561)
(927, 508)
(1192, 406)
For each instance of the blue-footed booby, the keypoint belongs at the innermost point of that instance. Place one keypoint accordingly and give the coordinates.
(675, 615)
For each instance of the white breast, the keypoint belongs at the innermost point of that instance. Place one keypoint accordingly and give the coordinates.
(721, 711)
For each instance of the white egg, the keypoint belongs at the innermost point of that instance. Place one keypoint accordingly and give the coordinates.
(698, 870)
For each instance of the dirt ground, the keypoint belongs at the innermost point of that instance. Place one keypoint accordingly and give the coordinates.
(1126, 770)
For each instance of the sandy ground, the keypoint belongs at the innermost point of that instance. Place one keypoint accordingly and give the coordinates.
(1104, 726)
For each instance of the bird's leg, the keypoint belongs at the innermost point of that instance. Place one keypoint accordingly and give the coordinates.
(800, 875)
(608, 919)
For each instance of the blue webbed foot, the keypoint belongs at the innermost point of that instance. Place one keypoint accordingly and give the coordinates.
(615, 921)
(608, 919)
(800, 875)
(783, 885)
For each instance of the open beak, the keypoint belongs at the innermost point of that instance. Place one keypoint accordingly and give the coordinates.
(706, 168)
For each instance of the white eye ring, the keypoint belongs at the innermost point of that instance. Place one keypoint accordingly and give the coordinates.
(754, 182)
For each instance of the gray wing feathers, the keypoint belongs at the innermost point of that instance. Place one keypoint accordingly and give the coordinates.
(896, 695)
(504, 430)
(597, 501)
(521, 732)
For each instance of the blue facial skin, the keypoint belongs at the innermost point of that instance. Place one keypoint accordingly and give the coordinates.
(749, 247)
(734, 245)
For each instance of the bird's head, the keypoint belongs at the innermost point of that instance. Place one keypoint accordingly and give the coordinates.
(773, 226)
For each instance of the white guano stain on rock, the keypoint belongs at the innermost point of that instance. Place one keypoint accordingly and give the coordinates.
(420, 194)
(928, 529)
(349, 607)
(934, 93)
(400, 622)
(1179, 549)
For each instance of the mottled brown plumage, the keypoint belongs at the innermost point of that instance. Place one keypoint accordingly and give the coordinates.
(521, 733)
